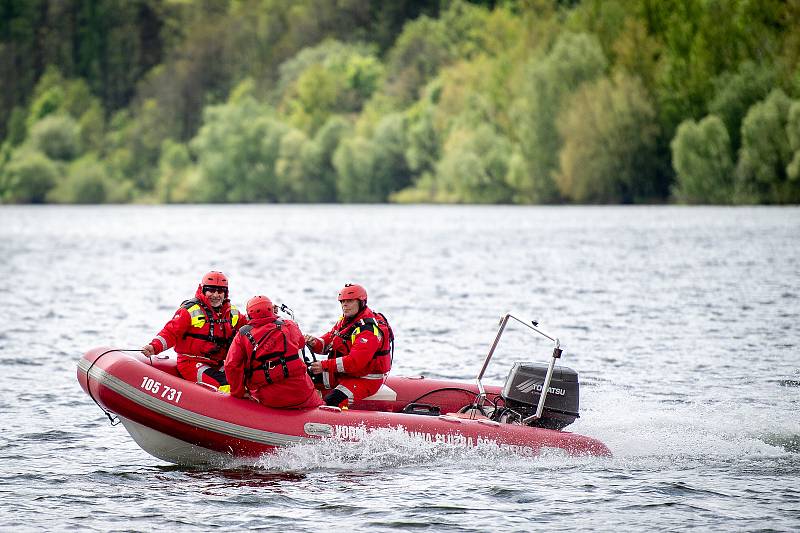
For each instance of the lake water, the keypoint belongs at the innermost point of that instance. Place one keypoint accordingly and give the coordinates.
(683, 324)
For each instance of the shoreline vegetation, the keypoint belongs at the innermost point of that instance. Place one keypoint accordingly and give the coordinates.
(432, 101)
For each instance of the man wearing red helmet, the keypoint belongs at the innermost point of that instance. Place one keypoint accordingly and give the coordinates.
(359, 349)
(201, 331)
(265, 360)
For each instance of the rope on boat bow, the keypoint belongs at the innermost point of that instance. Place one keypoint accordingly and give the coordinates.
(113, 419)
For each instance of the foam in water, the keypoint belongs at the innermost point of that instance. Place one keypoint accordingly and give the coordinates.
(631, 425)
(395, 448)
(638, 426)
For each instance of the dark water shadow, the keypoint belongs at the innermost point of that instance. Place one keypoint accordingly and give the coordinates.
(235, 477)
(790, 443)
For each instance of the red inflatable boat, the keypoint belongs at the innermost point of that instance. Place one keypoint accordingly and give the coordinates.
(187, 423)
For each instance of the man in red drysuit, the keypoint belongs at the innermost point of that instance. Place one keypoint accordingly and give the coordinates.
(359, 349)
(265, 360)
(201, 332)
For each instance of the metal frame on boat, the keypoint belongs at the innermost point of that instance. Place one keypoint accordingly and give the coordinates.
(548, 377)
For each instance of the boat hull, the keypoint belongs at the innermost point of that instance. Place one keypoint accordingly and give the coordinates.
(185, 423)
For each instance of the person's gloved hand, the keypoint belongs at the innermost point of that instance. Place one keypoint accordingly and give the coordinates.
(224, 389)
(310, 340)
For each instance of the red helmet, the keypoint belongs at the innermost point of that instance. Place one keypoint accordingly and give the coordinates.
(215, 279)
(353, 292)
(260, 307)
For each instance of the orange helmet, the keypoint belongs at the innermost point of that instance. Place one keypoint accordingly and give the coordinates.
(353, 292)
(215, 279)
(260, 307)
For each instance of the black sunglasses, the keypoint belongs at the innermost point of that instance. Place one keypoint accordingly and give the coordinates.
(212, 289)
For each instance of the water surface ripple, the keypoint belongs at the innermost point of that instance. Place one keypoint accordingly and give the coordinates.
(682, 323)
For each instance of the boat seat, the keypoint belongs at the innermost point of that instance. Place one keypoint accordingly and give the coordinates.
(384, 393)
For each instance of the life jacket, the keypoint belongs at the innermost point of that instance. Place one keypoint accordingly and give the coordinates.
(214, 335)
(272, 358)
(345, 337)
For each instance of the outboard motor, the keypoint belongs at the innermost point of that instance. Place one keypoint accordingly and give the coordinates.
(521, 401)
(523, 389)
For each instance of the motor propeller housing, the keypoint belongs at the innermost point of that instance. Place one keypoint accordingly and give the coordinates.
(523, 388)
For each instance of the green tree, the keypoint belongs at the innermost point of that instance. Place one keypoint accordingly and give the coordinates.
(705, 38)
(236, 151)
(16, 128)
(330, 78)
(314, 100)
(793, 132)
(317, 157)
(701, 155)
(196, 73)
(701, 39)
(118, 155)
(55, 95)
(426, 45)
(77, 99)
(574, 59)
(464, 27)
(290, 167)
(28, 177)
(637, 52)
(86, 182)
(20, 57)
(416, 57)
(356, 168)
(424, 145)
(133, 145)
(606, 19)
(57, 136)
(93, 128)
(609, 133)
(766, 152)
(107, 43)
(48, 96)
(390, 138)
(354, 64)
(175, 173)
(369, 170)
(736, 92)
(474, 167)
(362, 76)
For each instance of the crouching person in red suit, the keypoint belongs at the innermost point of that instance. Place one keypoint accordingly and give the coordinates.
(265, 360)
(359, 349)
(201, 331)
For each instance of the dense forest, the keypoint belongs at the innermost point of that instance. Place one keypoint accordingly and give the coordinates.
(450, 101)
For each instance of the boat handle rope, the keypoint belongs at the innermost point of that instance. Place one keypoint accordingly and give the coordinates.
(113, 419)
